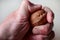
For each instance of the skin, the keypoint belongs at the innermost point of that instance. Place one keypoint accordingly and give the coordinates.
(16, 26)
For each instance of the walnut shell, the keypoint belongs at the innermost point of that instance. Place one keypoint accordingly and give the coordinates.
(38, 18)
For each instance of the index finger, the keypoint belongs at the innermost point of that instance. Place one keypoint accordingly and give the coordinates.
(50, 14)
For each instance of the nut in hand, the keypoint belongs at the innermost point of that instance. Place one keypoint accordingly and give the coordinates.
(38, 18)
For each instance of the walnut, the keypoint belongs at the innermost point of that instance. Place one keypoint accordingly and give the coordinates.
(38, 18)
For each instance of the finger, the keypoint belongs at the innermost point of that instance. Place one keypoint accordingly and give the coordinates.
(34, 7)
(23, 8)
(42, 37)
(22, 11)
(51, 35)
(43, 29)
(36, 37)
(50, 15)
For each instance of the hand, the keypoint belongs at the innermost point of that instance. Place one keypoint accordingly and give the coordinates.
(42, 32)
(16, 25)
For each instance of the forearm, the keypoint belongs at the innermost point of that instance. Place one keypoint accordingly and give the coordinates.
(5, 27)
(4, 30)
(10, 27)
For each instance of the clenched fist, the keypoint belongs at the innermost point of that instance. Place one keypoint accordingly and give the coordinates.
(17, 25)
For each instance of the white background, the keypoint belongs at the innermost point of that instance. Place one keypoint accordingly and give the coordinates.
(7, 6)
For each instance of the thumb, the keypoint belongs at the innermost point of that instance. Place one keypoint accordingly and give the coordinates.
(33, 7)
(23, 8)
(26, 6)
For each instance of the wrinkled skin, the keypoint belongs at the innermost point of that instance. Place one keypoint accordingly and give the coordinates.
(17, 27)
